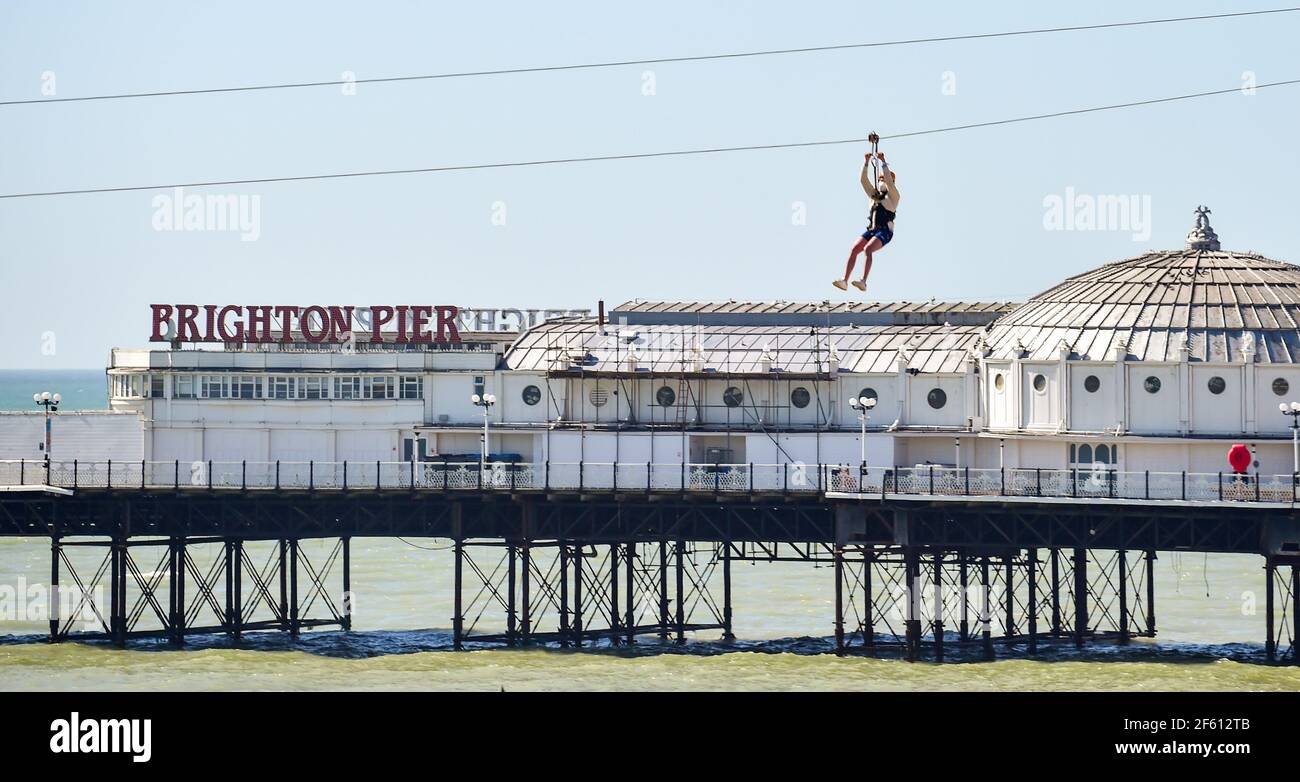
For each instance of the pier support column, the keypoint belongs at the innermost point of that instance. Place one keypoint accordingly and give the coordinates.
(1032, 565)
(55, 602)
(176, 590)
(629, 619)
(1056, 593)
(1270, 641)
(525, 593)
(1009, 593)
(963, 581)
(727, 634)
(577, 595)
(117, 585)
(868, 606)
(938, 606)
(239, 588)
(457, 616)
(512, 627)
(346, 623)
(912, 571)
(564, 594)
(986, 609)
(1080, 595)
(681, 592)
(284, 584)
(839, 599)
(1151, 594)
(615, 625)
(1123, 595)
(663, 590)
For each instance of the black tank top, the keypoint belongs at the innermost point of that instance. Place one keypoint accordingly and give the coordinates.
(880, 216)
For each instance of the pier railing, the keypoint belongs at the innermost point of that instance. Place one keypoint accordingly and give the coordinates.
(788, 478)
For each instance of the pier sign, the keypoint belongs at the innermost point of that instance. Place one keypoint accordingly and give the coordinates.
(269, 323)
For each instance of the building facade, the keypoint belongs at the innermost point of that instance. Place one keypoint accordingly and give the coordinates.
(1158, 362)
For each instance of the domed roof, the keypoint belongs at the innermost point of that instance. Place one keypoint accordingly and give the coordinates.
(1220, 305)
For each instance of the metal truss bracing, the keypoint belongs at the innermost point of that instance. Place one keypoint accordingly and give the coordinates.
(1281, 604)
(567, 592)
(574, 568)
(911, 596)
(173, 587)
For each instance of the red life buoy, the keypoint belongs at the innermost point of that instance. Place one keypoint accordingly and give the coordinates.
(1239, 457)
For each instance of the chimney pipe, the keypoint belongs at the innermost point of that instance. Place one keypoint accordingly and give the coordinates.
(600, 314)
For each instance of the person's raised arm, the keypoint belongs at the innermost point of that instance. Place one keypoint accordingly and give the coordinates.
(867, 185)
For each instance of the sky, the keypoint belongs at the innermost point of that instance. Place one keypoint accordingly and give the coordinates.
(78, 272)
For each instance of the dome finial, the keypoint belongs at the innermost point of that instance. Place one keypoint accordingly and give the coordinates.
(1202, 236)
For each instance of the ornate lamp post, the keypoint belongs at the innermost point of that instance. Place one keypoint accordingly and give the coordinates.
(51, 404)
(863, 405)
(484, 401)
(1293, 410)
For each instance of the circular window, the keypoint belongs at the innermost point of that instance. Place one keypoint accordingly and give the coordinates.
(732, 397)
(1091, 383)
(1152, 385)
(531, 395)
(937, 398)
(869, 393)
(665, 396)
(1216, 385)
(598, 397)
(800, 397)
(999, 381)
(1280, 386)
(1040, 383)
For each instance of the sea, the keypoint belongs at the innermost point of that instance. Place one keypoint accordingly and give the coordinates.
(1209, 610)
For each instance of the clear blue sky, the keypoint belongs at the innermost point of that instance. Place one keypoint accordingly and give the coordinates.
(971, 224)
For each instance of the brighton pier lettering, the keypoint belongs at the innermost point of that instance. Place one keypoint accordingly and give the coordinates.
(263, 323)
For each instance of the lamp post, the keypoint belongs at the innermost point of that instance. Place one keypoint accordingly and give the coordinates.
(51, 404)
(863, 405)
(1293, 410)
(484, 401)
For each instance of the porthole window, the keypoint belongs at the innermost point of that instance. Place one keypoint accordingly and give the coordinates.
(1152, 385)
(531, 395)
(800, 397)
(999, 381)
(733, 397)
(1216, 385)
(937, 398)
(869, 393)
(1091, 383)
(1280, 386)
(598, 397)
(1040, 383)
(666, 396)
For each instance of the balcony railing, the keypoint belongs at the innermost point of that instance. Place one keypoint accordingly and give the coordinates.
(788, 478)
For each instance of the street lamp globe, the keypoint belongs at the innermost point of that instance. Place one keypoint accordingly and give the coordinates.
(36, 397)
(868, 403)
(1284, 407)
(490, 399)
(45, 396)
(58, 398)
(475, 398)
(1295, 407)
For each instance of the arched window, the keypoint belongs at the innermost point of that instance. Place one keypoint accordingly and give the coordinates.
(1103, 454)
(1085, 454)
